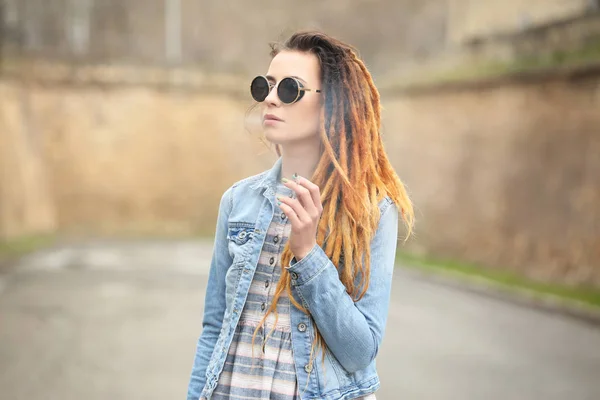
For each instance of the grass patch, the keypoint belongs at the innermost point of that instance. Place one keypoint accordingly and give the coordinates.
(553, 60)
(589, 296)
(15, 248)
(556, 60)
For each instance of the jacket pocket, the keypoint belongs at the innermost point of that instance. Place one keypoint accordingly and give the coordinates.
(344, 377)
(239, 239)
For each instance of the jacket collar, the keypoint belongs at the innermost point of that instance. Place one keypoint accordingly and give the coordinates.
(270, 177)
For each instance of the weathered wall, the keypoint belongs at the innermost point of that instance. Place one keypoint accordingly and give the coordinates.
(473, 19)
(25, 203)
(92, 160)
(506, 175)
(224, 35)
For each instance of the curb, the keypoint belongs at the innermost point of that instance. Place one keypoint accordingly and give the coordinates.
(523, 297)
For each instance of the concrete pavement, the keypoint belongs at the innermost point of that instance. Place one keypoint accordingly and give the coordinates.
(119, 320)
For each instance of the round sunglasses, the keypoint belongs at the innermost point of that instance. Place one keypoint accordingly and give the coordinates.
(289, 89)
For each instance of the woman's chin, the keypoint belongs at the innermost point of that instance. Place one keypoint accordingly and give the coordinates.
(275, 135)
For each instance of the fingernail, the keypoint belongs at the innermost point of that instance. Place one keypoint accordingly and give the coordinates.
(284, 180)
(295, 176)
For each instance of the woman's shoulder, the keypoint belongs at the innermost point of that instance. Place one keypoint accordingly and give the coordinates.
(250, 180)
(242, 188)
(385, 203)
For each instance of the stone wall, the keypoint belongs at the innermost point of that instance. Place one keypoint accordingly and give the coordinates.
(506, 174)
(224, 35)
(119, 160)
(472, 19)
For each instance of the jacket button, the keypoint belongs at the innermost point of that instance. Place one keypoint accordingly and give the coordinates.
(266, 283)
(271, 260)
(282, 215)
(294, 275)
(302, 327)
(276, 239)
(263, 306)
(308, 368)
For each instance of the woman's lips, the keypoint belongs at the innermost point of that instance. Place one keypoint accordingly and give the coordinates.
(271, 118)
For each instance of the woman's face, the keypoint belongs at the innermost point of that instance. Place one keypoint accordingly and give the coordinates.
(298, 121)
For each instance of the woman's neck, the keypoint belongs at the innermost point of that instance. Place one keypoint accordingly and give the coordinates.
(302, 160)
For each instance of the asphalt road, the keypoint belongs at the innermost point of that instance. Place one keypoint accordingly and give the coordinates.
(120, 321)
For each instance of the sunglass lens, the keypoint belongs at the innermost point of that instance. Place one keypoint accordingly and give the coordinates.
(259, 88)
(288, 90)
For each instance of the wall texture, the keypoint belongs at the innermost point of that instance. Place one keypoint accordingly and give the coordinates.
(224, 35)
(26, 205)
(474, 19)
(507, 175)
(97, 160)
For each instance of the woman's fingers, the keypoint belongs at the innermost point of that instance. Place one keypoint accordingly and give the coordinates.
(290, 213)
(296, 209)
(308, 196)
(304, 213)
(314, 191)
(303, 195)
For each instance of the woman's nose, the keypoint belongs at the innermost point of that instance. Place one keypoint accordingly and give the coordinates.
(272, 98)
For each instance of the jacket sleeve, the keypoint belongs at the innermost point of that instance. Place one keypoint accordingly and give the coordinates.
(352, 330)
(214, 302)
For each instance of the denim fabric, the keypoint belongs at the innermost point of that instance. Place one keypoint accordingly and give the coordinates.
(352, 330)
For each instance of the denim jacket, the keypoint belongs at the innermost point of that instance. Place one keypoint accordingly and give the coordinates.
(352, 330)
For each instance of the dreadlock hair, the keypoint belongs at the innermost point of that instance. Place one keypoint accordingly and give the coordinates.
(353, 173)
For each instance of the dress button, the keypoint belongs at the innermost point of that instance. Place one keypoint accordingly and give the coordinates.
(263, 306)
(276, 239)
(266, 283)
(308, 368)
(302, 327)
(271, 260)
(294, 275)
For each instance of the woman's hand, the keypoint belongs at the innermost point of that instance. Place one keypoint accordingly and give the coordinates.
(304, 213)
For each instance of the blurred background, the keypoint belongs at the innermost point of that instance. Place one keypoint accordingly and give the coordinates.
(122, 122)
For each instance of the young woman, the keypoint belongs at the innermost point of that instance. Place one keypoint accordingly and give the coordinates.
(300, 277)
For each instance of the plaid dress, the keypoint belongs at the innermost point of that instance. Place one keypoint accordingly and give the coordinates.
(265, 371)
